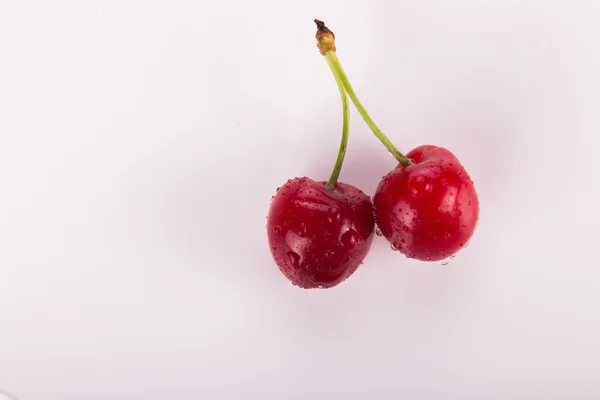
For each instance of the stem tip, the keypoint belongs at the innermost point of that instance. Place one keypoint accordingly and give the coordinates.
(325, 37)
(321, 26)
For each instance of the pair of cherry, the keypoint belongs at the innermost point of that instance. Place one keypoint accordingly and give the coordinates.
(320, 232)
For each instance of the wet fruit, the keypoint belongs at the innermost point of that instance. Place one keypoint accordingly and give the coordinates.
(318, 237)
(427, 207)
(428, 210)
(320, 232)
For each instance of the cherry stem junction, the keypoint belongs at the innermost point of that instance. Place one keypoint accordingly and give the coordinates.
(345, 128)
(326, 45)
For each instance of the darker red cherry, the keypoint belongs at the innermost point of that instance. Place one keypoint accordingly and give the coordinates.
(318, 237)
(428, 210)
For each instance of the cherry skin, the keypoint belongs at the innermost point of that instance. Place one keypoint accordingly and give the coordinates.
(429, 210)
(318, 238)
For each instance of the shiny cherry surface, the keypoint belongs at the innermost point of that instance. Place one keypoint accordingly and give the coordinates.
(318, 237)
(429, 210)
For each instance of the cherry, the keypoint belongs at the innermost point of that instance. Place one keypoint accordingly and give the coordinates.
(320, 232)
(319, 237)
(429, 209)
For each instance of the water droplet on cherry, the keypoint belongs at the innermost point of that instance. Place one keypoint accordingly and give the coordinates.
(329, 253)
(302, 229)
(447, 260)
(294, 258)
(349, 238)
(334, 214)
(277, 229)
(378, 232)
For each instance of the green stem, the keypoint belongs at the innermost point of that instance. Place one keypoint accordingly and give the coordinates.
(335, 64)
(345, 127)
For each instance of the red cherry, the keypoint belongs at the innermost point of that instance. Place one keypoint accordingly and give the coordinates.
(319, 237)
(427, 207)
(427, 210)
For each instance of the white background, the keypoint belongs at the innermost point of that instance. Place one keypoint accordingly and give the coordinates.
(141, 141)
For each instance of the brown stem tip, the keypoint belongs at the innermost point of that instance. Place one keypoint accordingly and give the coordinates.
(325, 37)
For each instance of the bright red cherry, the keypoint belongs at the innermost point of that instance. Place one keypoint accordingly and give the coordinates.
(427, 207)
(319, 237)
(427, 210)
